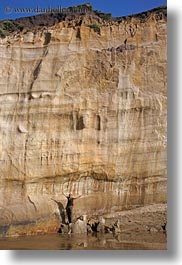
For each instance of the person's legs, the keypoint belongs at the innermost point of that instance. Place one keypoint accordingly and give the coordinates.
(69, 214)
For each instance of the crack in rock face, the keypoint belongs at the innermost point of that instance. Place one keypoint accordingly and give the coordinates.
(82, 113)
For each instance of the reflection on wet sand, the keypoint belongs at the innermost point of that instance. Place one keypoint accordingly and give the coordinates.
(127, 241)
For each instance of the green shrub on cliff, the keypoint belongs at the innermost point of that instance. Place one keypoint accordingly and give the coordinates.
(2, 33)
(104, 16)
(95, 27)
(8, 26)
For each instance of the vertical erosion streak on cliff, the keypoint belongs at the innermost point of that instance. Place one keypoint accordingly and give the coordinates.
(38, 68)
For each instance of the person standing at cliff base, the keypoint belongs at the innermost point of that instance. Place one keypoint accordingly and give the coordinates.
(69, 206)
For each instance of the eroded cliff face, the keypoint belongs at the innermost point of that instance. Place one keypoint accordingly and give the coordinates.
(83, 110)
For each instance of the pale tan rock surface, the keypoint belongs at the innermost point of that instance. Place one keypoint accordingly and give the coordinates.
(82, 112)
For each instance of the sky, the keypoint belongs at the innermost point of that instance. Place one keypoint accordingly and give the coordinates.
(116, 7)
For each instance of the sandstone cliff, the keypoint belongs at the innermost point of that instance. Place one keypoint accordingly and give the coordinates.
(83, 110)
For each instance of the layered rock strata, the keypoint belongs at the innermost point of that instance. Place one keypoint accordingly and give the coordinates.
(83, 110)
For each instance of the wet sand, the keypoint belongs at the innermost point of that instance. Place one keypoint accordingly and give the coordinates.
(127, 241)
